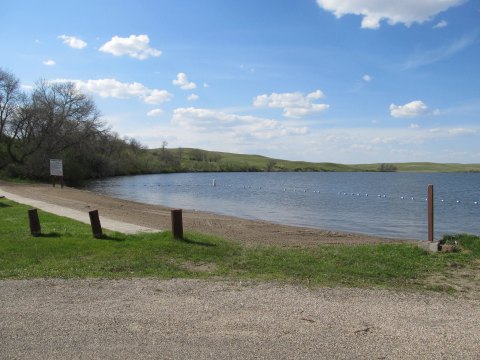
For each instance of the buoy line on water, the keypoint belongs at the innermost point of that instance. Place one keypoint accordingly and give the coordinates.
(355, 194)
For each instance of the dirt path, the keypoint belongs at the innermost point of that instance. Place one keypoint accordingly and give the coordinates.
(158, 217)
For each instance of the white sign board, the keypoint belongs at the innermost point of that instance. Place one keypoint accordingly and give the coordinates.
(56, 167)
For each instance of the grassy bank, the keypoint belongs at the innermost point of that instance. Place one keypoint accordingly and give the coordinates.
(197, 160)
(67, 250)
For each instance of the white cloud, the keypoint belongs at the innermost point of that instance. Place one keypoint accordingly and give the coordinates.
(73, 41)
(412, 109)
(367, 78)
(155, 96)
(461, 131)
(192, 97)
(49, 63)
(440, 24)
(134, 46)
(232, 125)
(374, 11)
(444, 52)
(155, 112)
(205, 85)
(296, 112)
(293, 104)
(183, 82)
(414, 126)
(120, 90)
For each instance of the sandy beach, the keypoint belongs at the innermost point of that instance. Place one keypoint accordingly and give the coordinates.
(243, 231)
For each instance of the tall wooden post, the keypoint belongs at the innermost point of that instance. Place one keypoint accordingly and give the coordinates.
(34, 222)
(95, 222)
(430, 212)
(177, 224)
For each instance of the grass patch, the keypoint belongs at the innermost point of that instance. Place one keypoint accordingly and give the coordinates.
(67, 250)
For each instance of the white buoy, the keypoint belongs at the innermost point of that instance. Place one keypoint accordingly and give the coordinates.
(442, 200)
(402, 197)
(214, 183)
(475, 202)
(458, 201)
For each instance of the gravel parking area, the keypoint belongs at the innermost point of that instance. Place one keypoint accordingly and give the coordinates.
(192, 319)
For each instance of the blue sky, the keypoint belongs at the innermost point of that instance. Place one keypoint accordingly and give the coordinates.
(350, 81)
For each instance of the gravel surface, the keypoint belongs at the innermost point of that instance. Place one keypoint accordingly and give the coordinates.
(192, 319)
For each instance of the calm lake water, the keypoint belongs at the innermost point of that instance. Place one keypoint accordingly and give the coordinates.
(385, 204)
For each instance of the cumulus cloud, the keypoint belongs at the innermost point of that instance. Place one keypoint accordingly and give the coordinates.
(121, 90)
(155, 112)
(73, 41)
(49, 63)
(192, 97)
(412, 109)
(155, 96)
(374, 11)
(294, 104)
(136, 47)
(183, 82)
(440, 24)
(238, 126)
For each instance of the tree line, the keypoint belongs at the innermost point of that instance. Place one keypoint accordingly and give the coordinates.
(56, 120)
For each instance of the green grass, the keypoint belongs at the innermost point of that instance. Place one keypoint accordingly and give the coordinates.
(67, 250)
(241, 162)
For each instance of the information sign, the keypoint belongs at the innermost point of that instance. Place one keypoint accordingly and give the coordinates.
(56, 167)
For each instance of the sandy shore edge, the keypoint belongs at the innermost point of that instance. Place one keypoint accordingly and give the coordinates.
(249, 232)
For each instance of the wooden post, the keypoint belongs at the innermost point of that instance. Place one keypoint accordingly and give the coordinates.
(95, 222)
(177, 224)
(54, 180)
(34, 221)
(430, 212)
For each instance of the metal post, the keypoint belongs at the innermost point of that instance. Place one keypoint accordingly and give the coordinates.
(430, 212)
(95, 222)
(34, 221)
(177, 224)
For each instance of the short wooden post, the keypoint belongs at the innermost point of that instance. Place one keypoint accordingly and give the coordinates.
(34, 221)
(95, 222)
(430, 212)
(177, 224)
(54, 180)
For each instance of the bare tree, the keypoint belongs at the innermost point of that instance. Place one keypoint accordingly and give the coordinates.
(10, 97)
(55, 117)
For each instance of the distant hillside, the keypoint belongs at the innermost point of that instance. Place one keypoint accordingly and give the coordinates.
(197, 160)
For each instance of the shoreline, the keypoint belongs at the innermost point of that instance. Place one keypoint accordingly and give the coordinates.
(239, 230)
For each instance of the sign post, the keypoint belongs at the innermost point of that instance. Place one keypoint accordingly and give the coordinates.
(56, 171)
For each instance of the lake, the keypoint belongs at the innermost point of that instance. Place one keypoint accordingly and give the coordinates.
(384, 204)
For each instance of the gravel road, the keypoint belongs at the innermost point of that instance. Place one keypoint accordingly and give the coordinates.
(192, 319)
